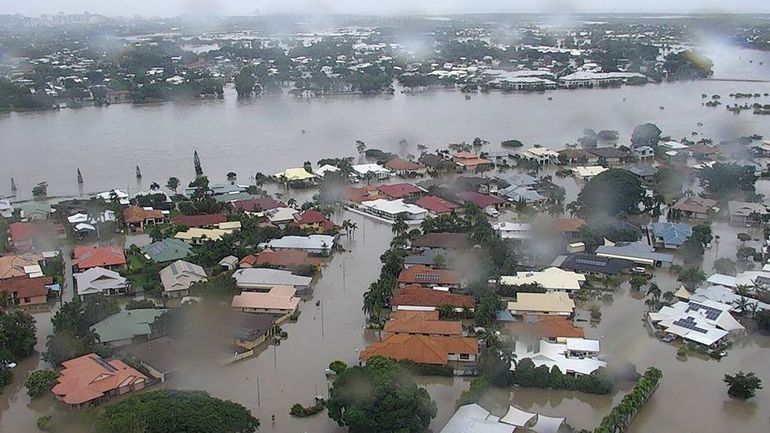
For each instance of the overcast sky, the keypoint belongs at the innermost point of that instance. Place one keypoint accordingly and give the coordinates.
(250, 7)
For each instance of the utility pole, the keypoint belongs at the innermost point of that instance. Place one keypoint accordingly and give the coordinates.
(323, 335)
(258, 399)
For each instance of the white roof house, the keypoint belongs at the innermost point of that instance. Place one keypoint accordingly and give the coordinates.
(724, 295)
(472, 418)
(703, 321)
(121, 196)
(281, 215)
(374, 170)
(553, 279)
(326, 168)
(578, 356)
(78, 218)
(557, 303)
(316, 244)
(179, 276)
(279, 299)
(587, 172)
(393, 208)
(266, 279)
(196, 235)
(542, 155)
(100, 280)
(511, 230)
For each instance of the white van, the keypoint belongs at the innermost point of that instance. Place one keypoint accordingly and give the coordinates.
(490, 211)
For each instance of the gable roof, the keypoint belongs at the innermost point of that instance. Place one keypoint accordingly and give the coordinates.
(421, 297)
(593, 264)
(257, 204)
(672, 233)
(420, 274)
(399, 190)
(695, 204)
(97, 280)
(90, 377)
(127, 324)
(401, 164)
(92, 256)
(26, 287)
(545, 327)
(13, 265)
(480, 200)
(363, 194)
(278, 298)
(417, 324)
(180, 275)
(199, 220)
(436, 204)
(420, 348)
(284, 258)
(136, 214)
(556, 302)
(167, 250)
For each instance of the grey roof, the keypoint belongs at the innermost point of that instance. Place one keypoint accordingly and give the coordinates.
(592, 263)
(672, 233)
(167, 250)
(97, 280)
(160, 353)
(127, 324)
(180, 275)
(642, 170)
(262, 277)
(427, 258)
(308, 243)
(521, 193)
(250, 326)
(520, 179)
(725, 296)
(635, 250)
(606, 152)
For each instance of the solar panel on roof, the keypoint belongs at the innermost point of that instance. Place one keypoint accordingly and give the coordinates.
(710, 312)
(426, 278)
(589, 262)
(689, 323)
(104, 364)
(763, 281)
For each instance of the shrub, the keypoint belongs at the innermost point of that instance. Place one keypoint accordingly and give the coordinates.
(338, 366)
(478, 386)
(44, 422)
(40, 382)
(427, 369)
(300, 411)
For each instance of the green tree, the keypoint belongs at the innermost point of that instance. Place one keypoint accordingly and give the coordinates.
(724, 266)
(17, 334)
(40, 382)
(612, 193)
(646, 134)
(173, 184)
(380, 398)
(165, 410)
(727, 178)
(691, 278)
(742, 385)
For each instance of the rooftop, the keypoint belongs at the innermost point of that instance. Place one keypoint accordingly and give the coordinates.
(127, 324)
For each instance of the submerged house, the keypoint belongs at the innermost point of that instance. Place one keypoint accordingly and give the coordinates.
(670, 235)
(472, 418)
(701, 321)
(90, 379)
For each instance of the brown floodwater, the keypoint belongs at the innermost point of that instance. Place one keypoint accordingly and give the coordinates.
(265, 135)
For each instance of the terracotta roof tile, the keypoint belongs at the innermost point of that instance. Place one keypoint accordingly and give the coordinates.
(86, 257)
(420, 274)
(199, 220)
(418, 296)
(136, 214)
(90, 377)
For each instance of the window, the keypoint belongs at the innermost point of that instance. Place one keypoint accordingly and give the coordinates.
(26, 300)
(465, 356)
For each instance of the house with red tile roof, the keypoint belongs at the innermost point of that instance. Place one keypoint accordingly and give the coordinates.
(423, 349)
(205, 221)
(138, 218)
(314, 221)
(90, 379)
(91, 256)
(404, 167)
(418, 298)
(281, 259)
(484, 201)
(469, 161)
(422, 323)
(429, 277)
(26, 291)
(362, 194)
(436, 205)
(257, 204)
(551, 328)
(27, 237)
(400, 190)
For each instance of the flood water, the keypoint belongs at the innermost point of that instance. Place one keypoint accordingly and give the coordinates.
(265, 135)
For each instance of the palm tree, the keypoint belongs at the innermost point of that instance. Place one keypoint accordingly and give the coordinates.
(292, 202)
(5, 300)
(399, 226)
(742, 305)
(654, 290)
(154, 186)
(669, 297)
